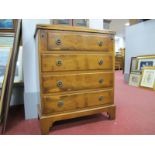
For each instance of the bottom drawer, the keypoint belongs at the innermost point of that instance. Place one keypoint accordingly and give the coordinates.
(59, 103)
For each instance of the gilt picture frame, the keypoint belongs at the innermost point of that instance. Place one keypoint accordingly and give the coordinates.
(148, 77)
(9, 78)
(133, 64)
(135, 79)
(144, 61)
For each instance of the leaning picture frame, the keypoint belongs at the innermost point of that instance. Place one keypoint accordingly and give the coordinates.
(6, 39)
(81, 22)
(148, 77)
(135, 79)
(7, 86)
(146, 60)
(133, 64)
(62, 21)
(8, 25)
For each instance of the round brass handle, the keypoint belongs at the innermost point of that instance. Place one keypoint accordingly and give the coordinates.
(58, 41)
(101, 98)
(58, 62)
(100, 43)
(60, 84)
(60, 103)
(100, 62)
(101, 81)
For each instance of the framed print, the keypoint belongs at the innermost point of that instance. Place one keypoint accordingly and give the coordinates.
(80, 22)
(4, 55)
(6, 39)
(7, 86)
(62, 21)
(148, 77)
(145, 61)
(133, 64)
(135, 79)
(7, 25)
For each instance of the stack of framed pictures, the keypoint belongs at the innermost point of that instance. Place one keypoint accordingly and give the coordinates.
(142, 68)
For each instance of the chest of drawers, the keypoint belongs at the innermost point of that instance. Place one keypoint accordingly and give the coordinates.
(76, 73)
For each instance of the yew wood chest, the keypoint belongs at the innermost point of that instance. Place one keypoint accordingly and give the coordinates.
(76, 73)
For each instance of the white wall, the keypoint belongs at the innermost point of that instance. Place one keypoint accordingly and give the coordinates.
(140, 40)
(30, 66)
(96, 23)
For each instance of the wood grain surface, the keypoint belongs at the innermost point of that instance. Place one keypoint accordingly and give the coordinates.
(60, 82)
(75, 61)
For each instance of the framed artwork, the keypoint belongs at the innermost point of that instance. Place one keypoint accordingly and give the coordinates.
(145, 61)
(62, 21)
(6, 39)
(4, 55)
(9, 78)
(72, 22)
(7, 25)
(135, 79)
(133, 64)
(148, 77)
(80, 22)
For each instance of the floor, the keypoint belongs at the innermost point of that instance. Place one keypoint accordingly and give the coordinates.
(135, 115)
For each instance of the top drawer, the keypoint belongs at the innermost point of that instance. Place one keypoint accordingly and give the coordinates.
(63, 40)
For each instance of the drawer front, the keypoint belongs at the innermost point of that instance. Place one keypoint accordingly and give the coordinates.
(59, 103)
(79, 41)
(76, 81)
(70, 62)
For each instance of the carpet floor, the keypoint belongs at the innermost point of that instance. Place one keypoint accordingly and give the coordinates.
(135, 115)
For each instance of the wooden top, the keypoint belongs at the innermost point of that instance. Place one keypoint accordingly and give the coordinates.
(71, 28)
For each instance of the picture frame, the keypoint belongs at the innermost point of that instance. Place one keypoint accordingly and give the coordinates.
(62, 21)
(8, 25)
(81, 22)
(133, 64)
(9, 78)
(148, 77)
(135, 79)
(4, 56)
(147, 60)
(6, 39)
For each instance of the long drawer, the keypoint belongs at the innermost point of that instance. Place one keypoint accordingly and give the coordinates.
(59, 40)
(59, 103)
(70, 62)
(60, 82)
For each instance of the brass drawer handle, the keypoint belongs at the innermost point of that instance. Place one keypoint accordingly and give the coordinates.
(60, 84)
(101, 81)
(60, 103)
(100, 43)
(100, 62)
(58, 41)
(101, 98)
(59, 62)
